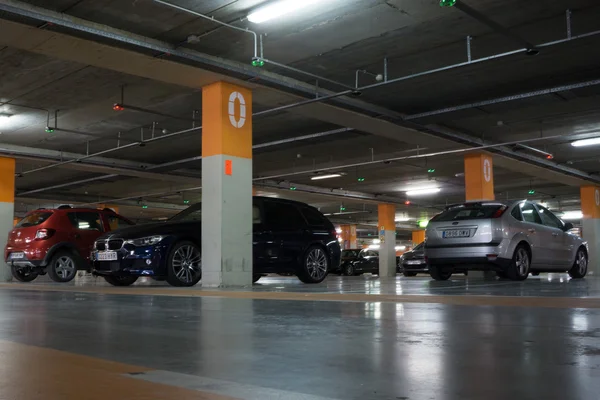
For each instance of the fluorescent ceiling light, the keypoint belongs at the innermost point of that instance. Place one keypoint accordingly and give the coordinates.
(329, 176)
(572, 215)
(424, 191)
(400, 248)
(277, 9)
(376, 241)
(374, 247)
(586, 142)
(402, 219)
(4, 116)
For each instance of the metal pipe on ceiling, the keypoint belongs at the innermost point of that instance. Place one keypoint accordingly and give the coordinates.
(495, 26)
(148, 111)
(186, 160)
(504, 99)
(212, 19)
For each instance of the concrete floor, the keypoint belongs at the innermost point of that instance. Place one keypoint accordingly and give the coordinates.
(245, 348)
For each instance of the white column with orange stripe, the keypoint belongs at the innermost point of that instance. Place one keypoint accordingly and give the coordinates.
(387, 236)
(226, 185)
(7, 208)
(590, 225)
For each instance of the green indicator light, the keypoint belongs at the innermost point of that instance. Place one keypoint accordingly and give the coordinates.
(144, 206)
(186, 202)
(431, 170)
(49, 130)
(423, 223)
(258, 63)
(370, 234)
(361, 179)
(447, 3)
(531, 191)
(293, 188)
(342, 208)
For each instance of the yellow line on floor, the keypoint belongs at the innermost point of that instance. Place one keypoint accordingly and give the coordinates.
(36, 373)
(465, 300)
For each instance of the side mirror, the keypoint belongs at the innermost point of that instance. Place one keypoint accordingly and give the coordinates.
(568, 226)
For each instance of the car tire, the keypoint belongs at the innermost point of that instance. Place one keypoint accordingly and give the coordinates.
(439, 273)
(580, 266)
(256, 277)
(409, 274)
(519, 267)
(184, 265)
(315, 265)
(63, 266)
(116, 280)
(349, 270)
(23, 274)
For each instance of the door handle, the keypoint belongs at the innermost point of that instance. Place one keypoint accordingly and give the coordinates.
(531, 230)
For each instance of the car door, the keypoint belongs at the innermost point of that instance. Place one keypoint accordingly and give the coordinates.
(537, 234)
(562, 248)
(373, 261)
(87, 227)
(288, 229)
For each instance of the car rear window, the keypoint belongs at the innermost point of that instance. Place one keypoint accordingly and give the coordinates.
(467, 211)
(34, 219)
(350, 253)
(313, 217)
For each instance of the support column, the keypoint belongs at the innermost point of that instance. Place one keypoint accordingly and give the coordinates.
(348, 236)
(387, 235)
(590, 225)
(479, 177)
(418, 237)
(479, 185)
(7, 208)
(226, 185)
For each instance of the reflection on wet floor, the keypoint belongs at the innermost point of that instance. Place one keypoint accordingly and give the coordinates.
(545, 285)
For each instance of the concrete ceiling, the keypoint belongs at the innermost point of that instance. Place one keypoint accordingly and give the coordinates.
(48, 67)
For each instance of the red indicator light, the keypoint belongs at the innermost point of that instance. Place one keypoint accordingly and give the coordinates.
(118, 107)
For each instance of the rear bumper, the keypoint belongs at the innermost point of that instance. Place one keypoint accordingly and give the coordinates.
(494, 256)
(422, 267)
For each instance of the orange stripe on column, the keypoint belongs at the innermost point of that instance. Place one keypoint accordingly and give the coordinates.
(7, 180)
(590, 201)
(479, 177)
(387, 217)
(418, 237)
(226, 120)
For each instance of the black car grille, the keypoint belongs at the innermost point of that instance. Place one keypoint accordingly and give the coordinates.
(114, 244)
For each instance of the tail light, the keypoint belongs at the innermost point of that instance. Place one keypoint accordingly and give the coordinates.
(43, 234)
(499, 212)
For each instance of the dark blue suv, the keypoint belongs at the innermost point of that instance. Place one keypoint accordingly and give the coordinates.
(288, 238)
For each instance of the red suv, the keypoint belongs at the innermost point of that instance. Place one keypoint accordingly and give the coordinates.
(57, 241)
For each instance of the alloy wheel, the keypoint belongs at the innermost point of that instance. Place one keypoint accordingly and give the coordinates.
(582, 262)
(522, 261)
(65, 267)
(316, 263)
(187, 263)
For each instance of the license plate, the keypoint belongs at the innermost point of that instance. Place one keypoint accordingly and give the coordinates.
(415, 262)
(106, 256)
(457, 233)
(17, 256)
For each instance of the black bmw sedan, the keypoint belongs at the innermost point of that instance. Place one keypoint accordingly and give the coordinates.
(288, 238)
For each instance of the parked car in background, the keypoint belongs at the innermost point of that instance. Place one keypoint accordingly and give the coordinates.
(513, 239)
(348, 256)
(413, 262)
(57, 241)
(367, 262)
(288, 238)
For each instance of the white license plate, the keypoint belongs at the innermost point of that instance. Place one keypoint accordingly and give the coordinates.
(415, 262)
(107, 256)
(457, 233)
(17, 256)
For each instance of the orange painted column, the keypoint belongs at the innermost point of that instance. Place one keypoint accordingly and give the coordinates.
(226, 185)
(479, 177)
(348, 236)
(418, 237)
(7, 208)
(590, 225)
(387, 236)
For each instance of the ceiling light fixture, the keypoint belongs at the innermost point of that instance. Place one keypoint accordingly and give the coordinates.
(586, 142)
(5, 117)
(278, 9)
(424, 191)
(328, 176)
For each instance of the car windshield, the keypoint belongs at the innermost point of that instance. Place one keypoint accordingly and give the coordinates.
(192, 213)
(467, 211)
(350, 253)
(34, 219)
(418, 247)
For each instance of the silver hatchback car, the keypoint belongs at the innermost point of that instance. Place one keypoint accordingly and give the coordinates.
(512, 239)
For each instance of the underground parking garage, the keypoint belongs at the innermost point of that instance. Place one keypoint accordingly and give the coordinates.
(336, 199)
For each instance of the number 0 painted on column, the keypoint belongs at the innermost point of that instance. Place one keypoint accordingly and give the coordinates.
(238, 123)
